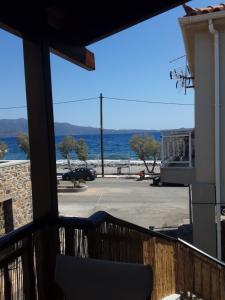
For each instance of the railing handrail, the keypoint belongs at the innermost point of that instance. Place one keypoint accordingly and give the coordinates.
(90, 223)
(80, 223)
(24, 231)
(102, 216)
(201, 252)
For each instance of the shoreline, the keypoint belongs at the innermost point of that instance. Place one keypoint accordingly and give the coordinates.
(111, 167)
(107, 162)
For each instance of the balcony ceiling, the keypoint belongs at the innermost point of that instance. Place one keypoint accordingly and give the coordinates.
(78, 23)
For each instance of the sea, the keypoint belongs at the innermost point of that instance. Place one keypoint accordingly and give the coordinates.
(116, 147)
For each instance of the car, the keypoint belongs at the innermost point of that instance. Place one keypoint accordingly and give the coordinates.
(156, 181)
(80, 173)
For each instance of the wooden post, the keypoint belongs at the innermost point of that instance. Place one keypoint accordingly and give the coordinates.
(101, 135)
(43, 160)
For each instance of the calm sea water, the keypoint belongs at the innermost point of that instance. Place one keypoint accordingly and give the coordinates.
(116, 146)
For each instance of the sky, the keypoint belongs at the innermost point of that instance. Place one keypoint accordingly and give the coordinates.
(133, 64)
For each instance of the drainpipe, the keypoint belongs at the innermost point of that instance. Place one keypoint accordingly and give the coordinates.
(215, 33)
(162, 150)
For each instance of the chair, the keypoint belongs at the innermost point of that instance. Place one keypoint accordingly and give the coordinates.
(85, 279)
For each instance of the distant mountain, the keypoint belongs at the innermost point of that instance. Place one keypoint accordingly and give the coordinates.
(12, 127)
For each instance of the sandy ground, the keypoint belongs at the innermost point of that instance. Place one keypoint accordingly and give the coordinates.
(135, 201)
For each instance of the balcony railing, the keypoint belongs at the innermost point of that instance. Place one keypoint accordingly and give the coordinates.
(177, 266)
(177, 148)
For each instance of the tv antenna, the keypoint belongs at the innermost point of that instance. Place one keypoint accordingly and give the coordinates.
(182, 76)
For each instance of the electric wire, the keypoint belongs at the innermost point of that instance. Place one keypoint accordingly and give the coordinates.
(60, 102)
(177, 58)
(78, 100)
(149, 102)
(12, 107)
(109, 98)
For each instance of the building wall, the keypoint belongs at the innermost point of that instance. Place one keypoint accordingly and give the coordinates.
(15, 185)
(222, 90)
(204, 188)
(199, 43)
(204, 111)
(204, 227)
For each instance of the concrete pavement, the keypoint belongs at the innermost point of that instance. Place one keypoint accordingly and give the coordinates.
(131, 200)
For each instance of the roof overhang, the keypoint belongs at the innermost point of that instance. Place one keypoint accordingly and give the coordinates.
(69, 26)
(190, 25)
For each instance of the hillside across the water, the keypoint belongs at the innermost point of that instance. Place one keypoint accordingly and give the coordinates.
(12, 127)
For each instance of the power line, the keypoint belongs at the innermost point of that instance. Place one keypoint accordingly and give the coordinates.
(61, 102)
(78, 100)
(149, 102)
(12, 107)
(177, 58)
(110, 98)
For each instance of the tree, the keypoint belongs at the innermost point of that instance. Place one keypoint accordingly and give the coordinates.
(81, 150)
(3, 149)
(66, 146)
(145, 147)
(23, 142)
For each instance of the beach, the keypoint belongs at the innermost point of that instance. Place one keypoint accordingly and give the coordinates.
(111, 167)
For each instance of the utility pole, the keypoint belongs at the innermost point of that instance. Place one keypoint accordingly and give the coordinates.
(101, 134)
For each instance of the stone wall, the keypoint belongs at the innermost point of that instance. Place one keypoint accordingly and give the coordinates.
(15, 194)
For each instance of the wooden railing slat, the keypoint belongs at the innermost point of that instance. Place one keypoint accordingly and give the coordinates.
(206, 278)
(221, 284)
(28, 270)
(7, 284)
(215, 285)
(69, 242)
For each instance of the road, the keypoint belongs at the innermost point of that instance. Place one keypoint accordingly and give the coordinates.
(131, 200)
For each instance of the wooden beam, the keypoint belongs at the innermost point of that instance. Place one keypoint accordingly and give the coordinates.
(43, 159)
(56, 40)
(77, 55)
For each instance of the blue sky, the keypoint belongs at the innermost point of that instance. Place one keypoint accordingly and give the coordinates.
(132, 64)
